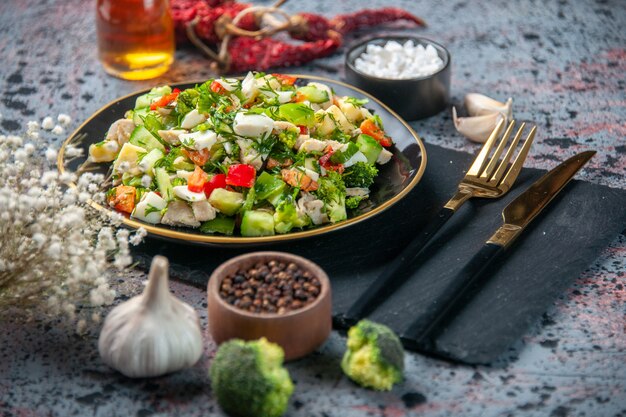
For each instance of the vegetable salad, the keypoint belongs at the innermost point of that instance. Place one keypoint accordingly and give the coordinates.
(257, 156)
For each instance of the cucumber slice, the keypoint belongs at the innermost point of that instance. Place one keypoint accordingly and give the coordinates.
(250, 199)
(146, 99)
(181, 163)
(139, 114)
(313, 94)
(341, 157)
(227, 202)
(276, 197)
(298, 114)
(257, 223)
(221, 224)
(267, 185)
(142, 137)
(129, 179)
(369, 147)
(164, 183)
(146, 164)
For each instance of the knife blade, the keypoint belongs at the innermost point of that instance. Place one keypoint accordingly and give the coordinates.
(516, 216)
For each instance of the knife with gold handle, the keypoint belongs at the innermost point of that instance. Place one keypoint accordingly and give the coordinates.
(517, 215)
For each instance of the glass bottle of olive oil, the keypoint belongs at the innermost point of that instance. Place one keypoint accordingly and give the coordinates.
(135, 37)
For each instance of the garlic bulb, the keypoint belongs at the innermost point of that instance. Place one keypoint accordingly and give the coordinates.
(476, 128)
(479, 105)
(485, 113)
(151, 334)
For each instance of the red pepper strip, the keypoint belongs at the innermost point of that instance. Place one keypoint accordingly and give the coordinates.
(303, 130)
(285, 79)
(165, 100)
(325, 163)
(218, 88)
(124, 198)
(199, 158)
(197, 180)
(216, 181)
(241, 175)
(370, 128)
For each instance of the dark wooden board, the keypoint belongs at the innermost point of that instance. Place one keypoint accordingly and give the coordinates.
(558, 246)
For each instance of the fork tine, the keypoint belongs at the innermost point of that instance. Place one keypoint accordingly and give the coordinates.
(479, 162)
(495, 179)
(486, 175)
(516, 168)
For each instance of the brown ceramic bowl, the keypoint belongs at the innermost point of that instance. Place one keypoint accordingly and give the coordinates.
(299, 332)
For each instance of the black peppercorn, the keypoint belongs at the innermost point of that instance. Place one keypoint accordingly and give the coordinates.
(270, 287)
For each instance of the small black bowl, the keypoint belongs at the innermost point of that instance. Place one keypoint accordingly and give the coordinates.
(412, 98)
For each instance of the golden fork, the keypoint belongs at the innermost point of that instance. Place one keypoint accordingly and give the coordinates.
(488, 177)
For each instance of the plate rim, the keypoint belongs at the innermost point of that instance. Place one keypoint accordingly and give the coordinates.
(186, 237)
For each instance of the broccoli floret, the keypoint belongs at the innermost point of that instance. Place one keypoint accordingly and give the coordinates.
(289, 137)
(375, 357)
(332, 191)
(360, 174)
(354, 201)
(287, 216)
(249, 380)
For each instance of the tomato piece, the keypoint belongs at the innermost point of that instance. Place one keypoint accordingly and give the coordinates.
(218, 88)
(285, 79)
(370, 128)
(325, 163)
(197, 180)
(165, 100)
(197, 157)
(124, 198)
(241, 175)
(303, 130)
(216, 181)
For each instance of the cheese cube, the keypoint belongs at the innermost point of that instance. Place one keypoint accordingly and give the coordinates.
(252, 125)
(149, 208)
(199, 140)
(352, 112)
(342, 123)
(129, 154)
(103, 151)
(192, 119)
(182, 192)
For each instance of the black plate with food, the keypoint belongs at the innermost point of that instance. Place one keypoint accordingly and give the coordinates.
(248, 161)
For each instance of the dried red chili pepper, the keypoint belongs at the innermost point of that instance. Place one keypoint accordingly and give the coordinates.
(210, 21)
(345, 23)
(248, 53)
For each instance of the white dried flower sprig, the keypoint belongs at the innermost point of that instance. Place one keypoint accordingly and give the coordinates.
(55, 249)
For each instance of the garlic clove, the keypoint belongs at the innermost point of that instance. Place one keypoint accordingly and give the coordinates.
(477, 128)
(151, 334)
(480, 105)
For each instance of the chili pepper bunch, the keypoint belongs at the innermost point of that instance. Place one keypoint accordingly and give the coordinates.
(243, 33)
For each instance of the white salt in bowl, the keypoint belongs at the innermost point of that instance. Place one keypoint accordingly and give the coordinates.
(414, 89)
